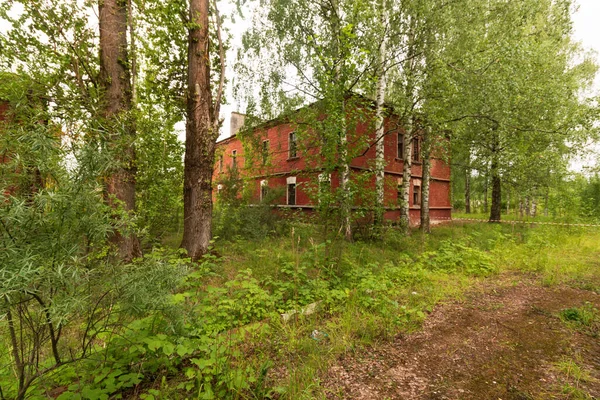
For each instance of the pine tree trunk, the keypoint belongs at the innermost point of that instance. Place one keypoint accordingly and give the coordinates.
(425, 218)
(546, 203)
(200, 137)
(115, 81)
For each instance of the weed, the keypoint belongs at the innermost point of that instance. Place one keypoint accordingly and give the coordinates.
(585, 319)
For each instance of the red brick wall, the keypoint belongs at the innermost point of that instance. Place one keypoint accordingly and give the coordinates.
(280, 166)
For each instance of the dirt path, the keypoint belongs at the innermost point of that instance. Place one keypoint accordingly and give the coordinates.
(504, 341)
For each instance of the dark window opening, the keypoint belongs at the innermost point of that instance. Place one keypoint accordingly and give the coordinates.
(221, 163)
(293, 146)
(416, 148)
(291, 194)
(401, 146)
(416, 195)
(234, 159)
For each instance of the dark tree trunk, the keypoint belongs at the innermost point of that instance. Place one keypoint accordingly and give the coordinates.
(496, 208)
(468, 190)
(200, 137)
(115, 79)
(485, 192)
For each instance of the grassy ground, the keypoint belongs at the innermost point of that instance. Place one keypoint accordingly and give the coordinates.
(229, 339)
(389, 286)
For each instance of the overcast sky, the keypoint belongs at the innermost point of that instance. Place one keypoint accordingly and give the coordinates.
(587, 26)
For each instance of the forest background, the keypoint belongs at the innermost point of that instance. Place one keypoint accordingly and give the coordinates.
(121, 278)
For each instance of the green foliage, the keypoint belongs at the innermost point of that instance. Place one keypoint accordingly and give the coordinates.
(457, 256)
(585, 319)
(159, 179)
(235, 215)
(590, 198)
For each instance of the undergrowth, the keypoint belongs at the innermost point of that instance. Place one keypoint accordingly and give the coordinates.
(222, 335)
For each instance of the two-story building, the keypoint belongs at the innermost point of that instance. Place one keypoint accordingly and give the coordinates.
(280, 160)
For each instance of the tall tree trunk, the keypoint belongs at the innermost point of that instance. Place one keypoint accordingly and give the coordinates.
(346, 206)
(508, 202)
(409, 131)
(485, 191)
(406, 177)
(115, 80)
(468, 189)
(200, 136)
(344, 170)
(521, 207)
(379, 136)
(496, 209)
(426, 151)
(547, 195)
(527, 206)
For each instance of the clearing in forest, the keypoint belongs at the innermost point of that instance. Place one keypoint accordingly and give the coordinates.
(510, 338)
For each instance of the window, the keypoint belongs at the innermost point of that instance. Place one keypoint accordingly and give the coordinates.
(416, 195)
(324, 185)
(291, 191)
(401, 146)
(293, 146)
(416, 149)
(233, 158)
(264, 190)
(265, 151)
(399, 194)
(221, 163)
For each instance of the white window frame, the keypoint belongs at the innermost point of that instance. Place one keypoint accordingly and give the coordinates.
(416, 184)
(291, 181)
(263, 183)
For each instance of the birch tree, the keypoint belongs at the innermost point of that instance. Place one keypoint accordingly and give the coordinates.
(314, 53)
(519, 86)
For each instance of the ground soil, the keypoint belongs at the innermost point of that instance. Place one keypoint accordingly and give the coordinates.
(503, 341)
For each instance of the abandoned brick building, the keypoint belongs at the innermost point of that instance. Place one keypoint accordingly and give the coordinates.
(280, 161)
